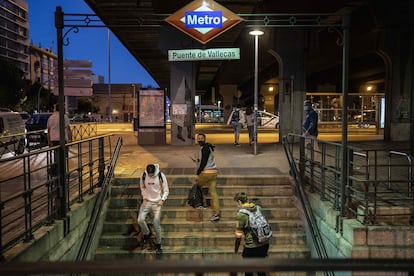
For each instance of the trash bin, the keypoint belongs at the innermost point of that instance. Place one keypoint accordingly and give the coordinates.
(135, 124)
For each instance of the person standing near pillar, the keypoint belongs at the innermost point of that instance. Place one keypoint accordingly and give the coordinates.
(310, 127)
(53, 130)
(237, 121)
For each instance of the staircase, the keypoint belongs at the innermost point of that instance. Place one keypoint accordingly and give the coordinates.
(189, 234)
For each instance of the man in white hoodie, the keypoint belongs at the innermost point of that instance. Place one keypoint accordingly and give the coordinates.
(154, 191)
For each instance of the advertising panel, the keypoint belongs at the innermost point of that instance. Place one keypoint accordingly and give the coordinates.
(151, 108)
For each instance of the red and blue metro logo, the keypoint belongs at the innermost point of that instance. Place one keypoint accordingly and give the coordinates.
(203, 20)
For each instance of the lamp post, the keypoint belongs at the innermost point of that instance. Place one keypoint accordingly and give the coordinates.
(256, 34)
(133, 101)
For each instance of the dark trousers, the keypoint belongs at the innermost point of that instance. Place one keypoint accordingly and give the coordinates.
(256, 252)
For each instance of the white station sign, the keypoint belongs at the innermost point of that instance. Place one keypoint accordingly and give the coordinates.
(199, 54)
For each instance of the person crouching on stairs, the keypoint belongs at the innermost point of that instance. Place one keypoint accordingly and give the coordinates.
(154, 191)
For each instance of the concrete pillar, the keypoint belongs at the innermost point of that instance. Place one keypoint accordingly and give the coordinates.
(182, 103)
(228, 92)
(398, 49)
(283, 47)
(182, 87)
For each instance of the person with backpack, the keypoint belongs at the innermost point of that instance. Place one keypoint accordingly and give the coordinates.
(207, 173)
(310, 129)
(237, 120)
(254, 227)
(154, 191)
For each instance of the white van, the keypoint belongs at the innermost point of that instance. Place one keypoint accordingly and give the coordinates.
(12, 131)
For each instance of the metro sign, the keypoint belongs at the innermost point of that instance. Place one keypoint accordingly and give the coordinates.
(203, 20)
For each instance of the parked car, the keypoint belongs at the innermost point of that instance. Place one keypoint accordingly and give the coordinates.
(37, 123)
(268, 120)
(11, 133)
(25, 116)
(82, 119)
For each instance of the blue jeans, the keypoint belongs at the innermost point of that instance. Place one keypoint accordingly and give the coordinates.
(155, 209)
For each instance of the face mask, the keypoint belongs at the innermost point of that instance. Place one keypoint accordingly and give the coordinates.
(306, 107)
(201, 143)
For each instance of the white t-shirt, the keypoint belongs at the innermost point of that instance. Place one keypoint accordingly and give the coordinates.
(53, 127)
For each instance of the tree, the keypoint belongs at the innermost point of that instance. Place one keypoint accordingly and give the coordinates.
(12, 85)
(85, 106)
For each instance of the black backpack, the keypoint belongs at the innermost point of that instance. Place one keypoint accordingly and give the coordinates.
(195, 196)
(235, 117)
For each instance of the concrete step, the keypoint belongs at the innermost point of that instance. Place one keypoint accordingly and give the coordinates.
(223, 190)
(194, 253)
(193, 224)
(200, 238)
(279, 212)
(221, 180)
(131, 201)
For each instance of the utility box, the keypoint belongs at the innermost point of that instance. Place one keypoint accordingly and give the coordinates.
(151, 136)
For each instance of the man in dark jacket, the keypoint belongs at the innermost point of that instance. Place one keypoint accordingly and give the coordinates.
(310, 127)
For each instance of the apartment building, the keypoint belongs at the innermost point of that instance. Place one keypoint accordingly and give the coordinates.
(14, 33)
(42, 66)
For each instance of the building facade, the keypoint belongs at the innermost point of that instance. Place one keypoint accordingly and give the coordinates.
(14, 33)
(42, 66)
(117, 102)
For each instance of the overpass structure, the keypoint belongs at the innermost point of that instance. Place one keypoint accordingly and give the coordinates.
(301, 51)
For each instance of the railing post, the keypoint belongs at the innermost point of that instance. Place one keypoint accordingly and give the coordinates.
(90, 144)
(301, 158)
(80, 173)
(101, 167)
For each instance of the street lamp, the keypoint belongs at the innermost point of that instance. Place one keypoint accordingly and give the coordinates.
(256, 34)
(133, 101)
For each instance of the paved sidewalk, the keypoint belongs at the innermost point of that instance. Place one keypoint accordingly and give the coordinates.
(231, 160)
(176, 160)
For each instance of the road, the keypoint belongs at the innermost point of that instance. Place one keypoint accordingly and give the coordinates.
(222, 134)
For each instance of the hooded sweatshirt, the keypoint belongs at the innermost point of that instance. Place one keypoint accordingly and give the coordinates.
(152, 189)
(243, 225)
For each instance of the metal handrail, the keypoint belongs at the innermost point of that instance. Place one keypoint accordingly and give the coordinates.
(410, 174)
(310, 218)
(201, 267)
(29, 186)
(91, 229)
(367, 182)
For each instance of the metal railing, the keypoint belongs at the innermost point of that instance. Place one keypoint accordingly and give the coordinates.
(316, 236)
(379, 185)
(38, 139)
(207, 267)
(98, 206)
(29, 194)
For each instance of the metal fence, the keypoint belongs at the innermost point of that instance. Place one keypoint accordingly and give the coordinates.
(30, 190)
(379, 183)
(213, 267)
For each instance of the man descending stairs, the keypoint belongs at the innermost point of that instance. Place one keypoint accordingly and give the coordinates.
(188, 233)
